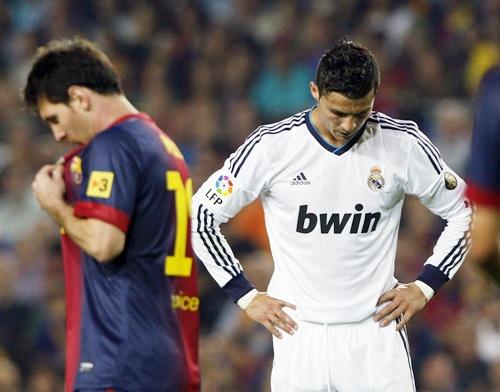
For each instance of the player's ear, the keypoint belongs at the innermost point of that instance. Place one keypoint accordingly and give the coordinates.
(314, 91)
(79, 97)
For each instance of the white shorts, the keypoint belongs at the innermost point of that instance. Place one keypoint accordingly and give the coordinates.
(343, 358)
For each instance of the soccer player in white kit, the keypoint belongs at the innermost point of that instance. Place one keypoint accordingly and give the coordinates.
(332, 181)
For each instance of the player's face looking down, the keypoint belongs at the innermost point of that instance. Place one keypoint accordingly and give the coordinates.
(338, 117)
(70, 122)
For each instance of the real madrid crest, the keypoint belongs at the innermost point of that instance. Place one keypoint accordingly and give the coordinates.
(375, 181)
(76, 170)
(450, 181)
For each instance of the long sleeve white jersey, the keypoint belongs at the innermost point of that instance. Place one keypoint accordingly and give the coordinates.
(332, 214)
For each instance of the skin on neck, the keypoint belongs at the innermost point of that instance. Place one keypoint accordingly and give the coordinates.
(108, 109)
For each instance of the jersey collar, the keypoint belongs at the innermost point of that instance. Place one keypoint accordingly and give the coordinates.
(122, 119)
(143, 116)
(335, 150)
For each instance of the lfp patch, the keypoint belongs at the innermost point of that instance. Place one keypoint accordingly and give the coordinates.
(224, 186)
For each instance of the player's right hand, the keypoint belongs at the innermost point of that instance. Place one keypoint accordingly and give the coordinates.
(48, 186)
(269, 312)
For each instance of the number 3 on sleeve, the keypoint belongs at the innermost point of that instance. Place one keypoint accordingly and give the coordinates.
(179, 264)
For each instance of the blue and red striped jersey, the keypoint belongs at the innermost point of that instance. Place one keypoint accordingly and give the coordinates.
(484, 162)
(132, 323)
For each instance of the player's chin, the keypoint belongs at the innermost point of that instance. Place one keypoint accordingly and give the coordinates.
(344, 137)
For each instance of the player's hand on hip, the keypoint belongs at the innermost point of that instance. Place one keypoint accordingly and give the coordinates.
(269, 312)
(402, 301)
(48, 186)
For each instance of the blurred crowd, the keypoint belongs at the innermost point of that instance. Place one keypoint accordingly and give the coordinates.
(209, 72)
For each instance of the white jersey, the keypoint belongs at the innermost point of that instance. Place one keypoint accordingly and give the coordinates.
(332, 214)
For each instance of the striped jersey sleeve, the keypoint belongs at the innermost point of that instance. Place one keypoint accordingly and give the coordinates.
(244, 177)
(441, 190)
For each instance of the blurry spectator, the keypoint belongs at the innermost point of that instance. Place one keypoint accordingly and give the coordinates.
(488, 332)
(44, 378)
(239, 70)
(19, 322)
(241, 116)
(266, 20)
(247, 345)
(495, 376)
(30, 284)
(317, 33)
(10, 378)
(438, 374)
(281, 88)
(452, 132)
(472, 373)
(18, 208)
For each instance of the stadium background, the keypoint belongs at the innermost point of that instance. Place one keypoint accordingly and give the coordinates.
(209, 72)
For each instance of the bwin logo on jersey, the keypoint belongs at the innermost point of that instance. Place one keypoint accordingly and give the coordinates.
(337, 223)
(300, 180)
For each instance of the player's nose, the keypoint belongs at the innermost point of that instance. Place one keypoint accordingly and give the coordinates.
(349, 123)
(58, 134)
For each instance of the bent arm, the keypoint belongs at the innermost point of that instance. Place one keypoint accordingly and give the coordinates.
(211, 246)
(220, 198)
(239, 182)
(99, 239)
(217, 256)
(443, 193)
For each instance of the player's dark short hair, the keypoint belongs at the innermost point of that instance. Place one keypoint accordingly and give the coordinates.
(69, 62)
(347, 68)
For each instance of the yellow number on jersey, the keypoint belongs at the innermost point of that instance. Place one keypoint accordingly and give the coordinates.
(179, 264)
(170, 146)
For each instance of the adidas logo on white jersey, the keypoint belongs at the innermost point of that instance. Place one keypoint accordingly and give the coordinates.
(300, 180)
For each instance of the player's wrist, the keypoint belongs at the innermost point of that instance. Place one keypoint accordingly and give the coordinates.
(244, 301)
(61, 212)
(425, 288)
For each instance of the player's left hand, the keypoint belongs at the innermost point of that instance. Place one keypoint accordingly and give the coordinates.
(402, 301)
(48, 186)
(269, 312)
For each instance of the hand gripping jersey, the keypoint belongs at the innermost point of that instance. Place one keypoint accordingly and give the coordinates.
(332, 214)
(132, 323)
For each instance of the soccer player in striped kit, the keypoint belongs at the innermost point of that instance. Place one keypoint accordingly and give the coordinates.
(332, 181)
(122, 200)
(484, 175)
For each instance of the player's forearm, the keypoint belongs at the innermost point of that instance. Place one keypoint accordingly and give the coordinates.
(88, 233)
(449, 252)
(213, 250)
